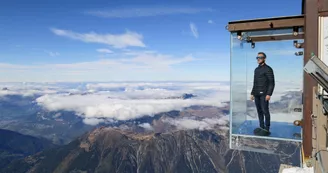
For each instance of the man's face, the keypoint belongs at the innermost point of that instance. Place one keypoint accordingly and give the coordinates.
(260, 58)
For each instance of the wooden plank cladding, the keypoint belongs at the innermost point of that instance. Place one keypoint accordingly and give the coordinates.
(266, 23)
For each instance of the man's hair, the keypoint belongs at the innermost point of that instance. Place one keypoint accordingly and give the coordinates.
(262, 53)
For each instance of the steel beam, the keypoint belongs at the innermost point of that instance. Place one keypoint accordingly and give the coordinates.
(310, 46)
(266, 23)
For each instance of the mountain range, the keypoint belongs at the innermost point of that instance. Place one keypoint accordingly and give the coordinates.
(113, 150)
(194, 138)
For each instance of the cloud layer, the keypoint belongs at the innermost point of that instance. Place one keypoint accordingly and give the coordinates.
(27, 90)
(145, 12)
(143, 64)
(128, 39)
(124, 102)
(103, 102)
(100, 102)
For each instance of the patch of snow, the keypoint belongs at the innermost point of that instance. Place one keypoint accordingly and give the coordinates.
(299, 170)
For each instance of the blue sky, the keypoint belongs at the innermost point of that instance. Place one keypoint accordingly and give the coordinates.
(123, 40)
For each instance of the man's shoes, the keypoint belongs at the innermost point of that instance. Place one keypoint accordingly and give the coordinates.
(267, 128)
(257, 130)
(262, 131)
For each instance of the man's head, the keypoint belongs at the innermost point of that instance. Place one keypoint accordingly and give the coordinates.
(261, 56)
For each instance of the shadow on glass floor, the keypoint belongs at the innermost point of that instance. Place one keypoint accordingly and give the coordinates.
(282, 130)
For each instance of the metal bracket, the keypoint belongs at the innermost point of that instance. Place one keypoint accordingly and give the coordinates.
(324, 101)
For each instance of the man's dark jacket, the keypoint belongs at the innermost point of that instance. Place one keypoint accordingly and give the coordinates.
(263, 81)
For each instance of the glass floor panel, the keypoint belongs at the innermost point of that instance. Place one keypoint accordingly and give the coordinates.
(287, 149)
(284, 130)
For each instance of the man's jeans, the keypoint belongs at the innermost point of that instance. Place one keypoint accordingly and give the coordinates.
(262, 107)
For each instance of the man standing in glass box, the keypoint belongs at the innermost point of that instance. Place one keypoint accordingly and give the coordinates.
(263, 87)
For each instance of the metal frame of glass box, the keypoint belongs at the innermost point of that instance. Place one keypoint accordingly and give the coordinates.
(261, 30)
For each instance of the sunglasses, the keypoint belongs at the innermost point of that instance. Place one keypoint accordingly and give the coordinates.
(259, 57)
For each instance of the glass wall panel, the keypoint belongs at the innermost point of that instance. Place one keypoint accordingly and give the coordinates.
(286, 101)
(238, 83)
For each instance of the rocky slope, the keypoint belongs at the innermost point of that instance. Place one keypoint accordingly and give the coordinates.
(14, 145)
(113, 150)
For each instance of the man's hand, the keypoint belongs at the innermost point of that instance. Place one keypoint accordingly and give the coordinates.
(252, 97)
(267, 98)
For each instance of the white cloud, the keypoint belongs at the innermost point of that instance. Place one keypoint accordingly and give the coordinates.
(136, 53)
(210, 21)
(128, 39)
(204, 124)
(106, 69)
(158, 61)
(145, 12)
(26, 93)
(53, 54)
(276, 52)
(146, 126)
(187, 86)
(104, 51)
(136, 100)
(100, 106)
(276, 117)
(193, 29)
(281, 87)
(93, 121)
(26, 90)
